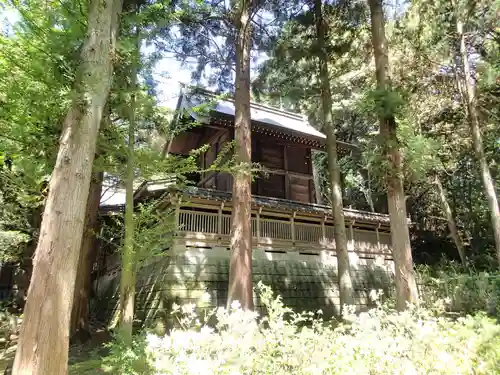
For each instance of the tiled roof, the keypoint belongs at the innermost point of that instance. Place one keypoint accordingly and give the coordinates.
(270, 116)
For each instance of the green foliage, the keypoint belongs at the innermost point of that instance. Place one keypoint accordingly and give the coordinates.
(433, 133)
(154, 226)
(38, 59)
(383, 103)
(125, 358)
(9, 325)
(12, 244)
(380, 341)
(461, 290)
(419, 152)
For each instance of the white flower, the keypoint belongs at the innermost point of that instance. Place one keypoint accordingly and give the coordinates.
(188, 308)
(205, 297)
(205, 330)
(153, 341)
(235, 305)
(175, 307)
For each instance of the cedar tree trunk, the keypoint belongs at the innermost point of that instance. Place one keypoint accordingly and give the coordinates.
(367, 190)
(406, 287)
(316, 180)
(346, 291)
(129, 258)
(88, 253)
(44, 339)
(452, 226)
(240, 265)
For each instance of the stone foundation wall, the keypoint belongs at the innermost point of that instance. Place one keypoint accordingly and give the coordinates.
(200, 276)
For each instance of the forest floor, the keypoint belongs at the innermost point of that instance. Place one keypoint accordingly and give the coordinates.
(79, 355)
(84, 358)
(7, 358)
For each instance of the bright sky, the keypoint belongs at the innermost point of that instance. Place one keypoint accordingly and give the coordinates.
(169, 73)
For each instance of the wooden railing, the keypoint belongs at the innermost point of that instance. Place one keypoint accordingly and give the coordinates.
(288, 232)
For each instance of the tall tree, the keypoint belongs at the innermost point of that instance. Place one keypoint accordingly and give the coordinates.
(450, 219)
(38, 61)
(406, 287)
(240, 265)
(88, 251)
(80, 314)
(44, 338)
(428, 51)
(470, 98)
(346, 291)
(129, 259)
(222, 36)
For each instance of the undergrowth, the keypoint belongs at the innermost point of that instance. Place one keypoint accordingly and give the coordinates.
(380, 341)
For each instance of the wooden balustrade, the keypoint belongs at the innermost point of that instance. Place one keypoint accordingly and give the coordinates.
(281, 232)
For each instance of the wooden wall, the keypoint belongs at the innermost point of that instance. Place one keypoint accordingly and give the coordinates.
(215, 180)
(288, 167)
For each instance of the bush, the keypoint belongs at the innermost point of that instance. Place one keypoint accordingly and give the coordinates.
(463, 292)
(9, 327)
(381, 341)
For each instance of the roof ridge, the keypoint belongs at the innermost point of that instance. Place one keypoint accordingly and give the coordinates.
(298, 116)
(256, 105)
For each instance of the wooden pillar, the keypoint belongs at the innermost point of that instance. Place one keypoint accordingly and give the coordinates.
(292, 224)
(219, 223)
(177, 213)
(351, 233)
(378, 238)
(316, 180)
(258, 225)
(323, 230)
(287, 179)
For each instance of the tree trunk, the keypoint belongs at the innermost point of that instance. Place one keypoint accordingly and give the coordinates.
(452, 226)
(406, 287)
(23, 274)
(44, 339)
(129, 257)
(366, 188)
(80, 312)
(316, 179)
(79, 327)
(240, 266)
(477, 138)
(346, 291)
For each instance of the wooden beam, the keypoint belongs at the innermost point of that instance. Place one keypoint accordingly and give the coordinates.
(287, 180)
(208, 176)
(290, 173)
(217, 135)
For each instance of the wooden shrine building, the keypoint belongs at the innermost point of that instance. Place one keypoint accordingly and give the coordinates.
(293, 241)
